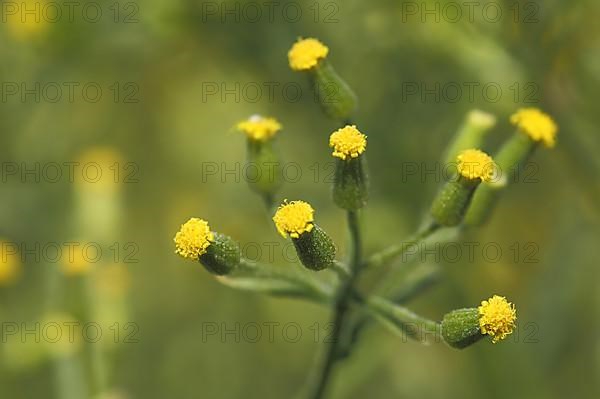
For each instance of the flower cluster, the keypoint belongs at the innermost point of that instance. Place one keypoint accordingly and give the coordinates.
(462, 202)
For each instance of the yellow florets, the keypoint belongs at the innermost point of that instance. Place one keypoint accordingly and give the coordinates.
(536, 124)
(193, 238)
(497, 317)
(259, 128)
(476, 164)
(306, 54)
(294, 218)
(347, 142)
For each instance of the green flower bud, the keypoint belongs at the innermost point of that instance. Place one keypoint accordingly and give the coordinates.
(313, 246)
(350, 185)
(336, 98)
(453, 200)
(495, 317)
(315, 249)
(460, 328)
(265, 167)
(222, 255)
(264, 162)
(218, 253)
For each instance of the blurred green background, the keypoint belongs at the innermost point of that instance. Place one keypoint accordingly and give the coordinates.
(156, 118)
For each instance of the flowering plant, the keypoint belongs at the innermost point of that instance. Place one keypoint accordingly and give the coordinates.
(464, 201)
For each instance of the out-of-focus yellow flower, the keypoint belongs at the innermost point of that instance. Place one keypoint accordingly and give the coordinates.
(536, 124)
(294, 218)
(347, 142)
(497, 317)
(26, 18)
(10, 263)
(259, 128)
(305, 54)
(193, 238)
(102, 170)
(75, 263)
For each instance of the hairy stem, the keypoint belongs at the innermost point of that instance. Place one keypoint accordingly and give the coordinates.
(342, 303)
(394, 251)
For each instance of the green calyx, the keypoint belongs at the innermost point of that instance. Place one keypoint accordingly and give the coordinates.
(222, 255)
(315, 249)
(452, 202)
(351, 183)
(264, 170)
(336, 98)
(460, 328)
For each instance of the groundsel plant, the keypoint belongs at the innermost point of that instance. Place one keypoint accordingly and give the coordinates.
(465, 200)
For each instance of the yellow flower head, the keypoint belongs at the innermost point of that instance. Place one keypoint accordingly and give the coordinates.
(10, 263)
(294, 218)
(536, 124)
(193, 238)
(259, 128)
(497, 317)
(75, 263)
(476, 164)
(306, 54)
(347, 142)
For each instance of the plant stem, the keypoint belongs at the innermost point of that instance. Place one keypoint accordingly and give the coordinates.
(344, 296)
(388, 254)
(315, 289)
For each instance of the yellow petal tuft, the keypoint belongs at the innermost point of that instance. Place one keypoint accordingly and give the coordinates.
(193, 238)
(497, 317)
(259, 128)
(476, 164)
(536, 124)
(294, 218)
(306, 54)
(347, 142)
